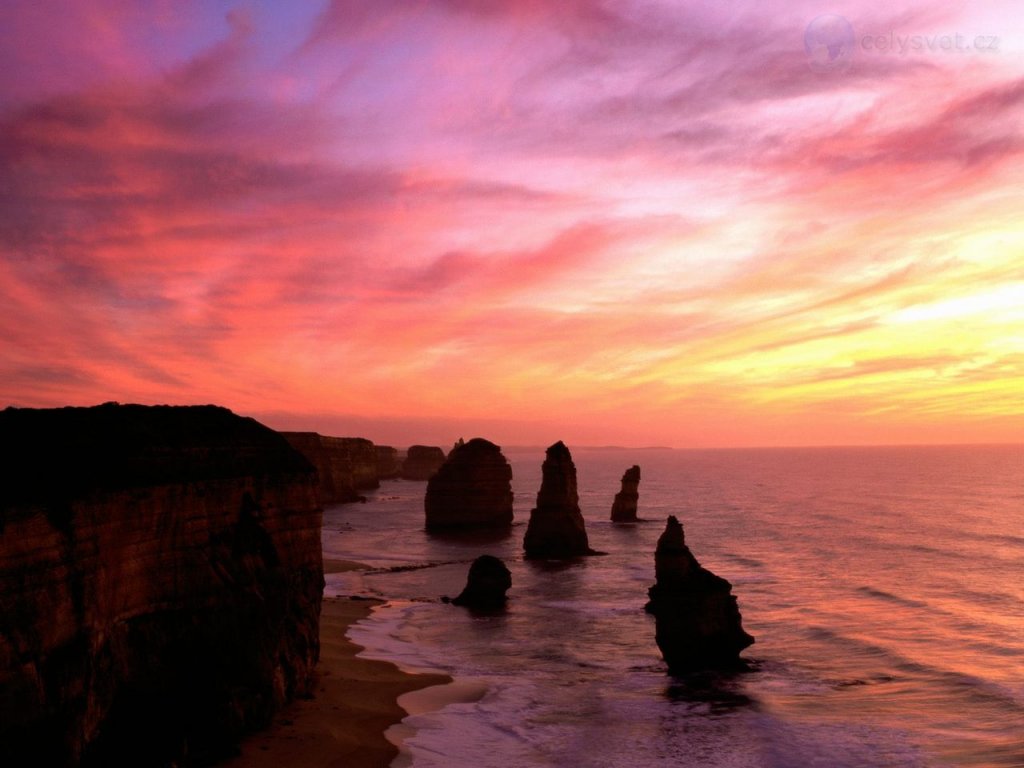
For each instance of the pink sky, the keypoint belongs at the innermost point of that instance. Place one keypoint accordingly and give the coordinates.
(634, 222)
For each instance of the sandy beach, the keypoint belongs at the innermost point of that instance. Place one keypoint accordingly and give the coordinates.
(355, 702)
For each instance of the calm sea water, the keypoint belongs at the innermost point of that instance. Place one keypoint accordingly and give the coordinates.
(885, 587)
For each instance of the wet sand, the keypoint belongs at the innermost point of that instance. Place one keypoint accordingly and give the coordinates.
(355, 702)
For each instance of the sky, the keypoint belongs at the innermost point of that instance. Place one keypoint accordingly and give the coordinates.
(692, 224)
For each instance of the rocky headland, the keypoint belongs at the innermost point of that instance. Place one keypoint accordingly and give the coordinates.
(345, 465)
(472, 489)
(625, 503)
(556, 530)
(697, 620)
(421, 462)
(389, 462)
(160, 583)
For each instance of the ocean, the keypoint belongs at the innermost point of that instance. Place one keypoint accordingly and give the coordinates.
(884, 586)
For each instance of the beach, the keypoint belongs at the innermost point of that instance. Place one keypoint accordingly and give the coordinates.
(355, 702)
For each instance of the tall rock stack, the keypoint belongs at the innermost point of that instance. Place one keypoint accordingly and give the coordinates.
(624, 506)
(556, 529)
(697, 620)
(421, 462)
(472, 489)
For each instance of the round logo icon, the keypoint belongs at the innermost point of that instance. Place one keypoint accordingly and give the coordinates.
(829, 42)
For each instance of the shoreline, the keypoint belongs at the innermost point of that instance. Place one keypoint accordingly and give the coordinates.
(354, 705)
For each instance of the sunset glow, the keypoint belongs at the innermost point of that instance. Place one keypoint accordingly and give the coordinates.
(642, 223)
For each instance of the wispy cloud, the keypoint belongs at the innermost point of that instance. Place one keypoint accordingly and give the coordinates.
(656, 217)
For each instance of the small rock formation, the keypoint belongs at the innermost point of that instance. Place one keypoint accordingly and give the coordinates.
(421, 462)
(624, 506)
(472, 489)
(345, 465)
(160, 583)
(697, 620)
(556, 529)
(486, 585)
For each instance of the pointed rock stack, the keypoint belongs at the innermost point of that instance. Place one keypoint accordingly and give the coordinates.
(624, 506)
(698, 623)
(472, 489)
(556, 529)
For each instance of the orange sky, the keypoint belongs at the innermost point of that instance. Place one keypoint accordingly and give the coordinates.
(638, 223)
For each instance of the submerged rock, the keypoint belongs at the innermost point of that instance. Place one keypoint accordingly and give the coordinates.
(556, 529)
(486, 585)
(624, 506)
(421, 462)
(472, 489)
(697, 619)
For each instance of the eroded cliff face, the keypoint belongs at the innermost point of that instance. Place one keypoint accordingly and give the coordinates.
(160, 583)
(345, 465)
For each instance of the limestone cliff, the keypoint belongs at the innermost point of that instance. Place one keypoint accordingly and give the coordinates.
(345, 465)
(421, 462)
(556, 529)
(389, 465)
(160, 583)
(625, 503)
(697, 620)
(472, 489)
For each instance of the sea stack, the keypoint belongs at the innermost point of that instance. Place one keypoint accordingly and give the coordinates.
(556, 530)
(698, 623)
(624, 506)
(472, 489)
(421, 462)
(486, 584)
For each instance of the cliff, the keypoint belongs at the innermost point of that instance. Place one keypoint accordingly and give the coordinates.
(389, 463)
(556, 529)
(697, 619)
(472, 489)
(421, 462)
(160, 583)
(625, 503)
(345, 465)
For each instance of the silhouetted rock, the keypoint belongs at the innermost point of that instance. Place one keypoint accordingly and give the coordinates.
(160, 582)
(472, 489)
(421, 462)
(344, 465)
(697, 620)
(388, 464)
(556, 529)
(486, 585)
(624, 506)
